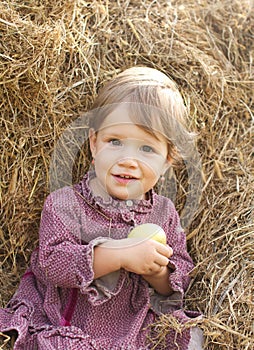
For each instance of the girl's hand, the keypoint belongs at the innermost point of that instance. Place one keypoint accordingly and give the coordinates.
(144, 257)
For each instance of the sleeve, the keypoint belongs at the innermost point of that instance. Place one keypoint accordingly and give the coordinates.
(63, 259)
(181, 263)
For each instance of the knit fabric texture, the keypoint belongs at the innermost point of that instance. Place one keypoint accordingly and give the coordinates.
(59, 305)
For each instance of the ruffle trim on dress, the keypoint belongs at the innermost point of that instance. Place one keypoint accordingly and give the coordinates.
(104, 288)
(142, 205)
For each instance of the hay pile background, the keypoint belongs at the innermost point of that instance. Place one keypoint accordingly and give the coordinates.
(55, 55)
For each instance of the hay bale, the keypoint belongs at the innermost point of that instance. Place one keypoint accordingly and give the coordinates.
(54, 56)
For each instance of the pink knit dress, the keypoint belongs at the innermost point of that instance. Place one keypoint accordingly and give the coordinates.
(59, 305)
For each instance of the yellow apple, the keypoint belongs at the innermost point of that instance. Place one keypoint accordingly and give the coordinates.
(149, 231)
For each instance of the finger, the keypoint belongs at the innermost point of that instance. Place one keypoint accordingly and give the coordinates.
(165, 250)
(161, 260)
(170, 251)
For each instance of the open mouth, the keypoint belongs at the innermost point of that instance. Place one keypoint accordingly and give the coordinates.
(124, 178)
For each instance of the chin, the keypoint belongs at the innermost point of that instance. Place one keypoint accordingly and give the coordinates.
(120, 197)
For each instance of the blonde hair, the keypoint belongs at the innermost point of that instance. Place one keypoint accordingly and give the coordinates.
(154, 102)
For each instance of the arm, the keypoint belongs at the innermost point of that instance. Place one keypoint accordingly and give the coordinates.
(62, 258)
(145, 257)
(180, 261)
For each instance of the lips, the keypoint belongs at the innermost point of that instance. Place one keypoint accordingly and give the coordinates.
(124, 178)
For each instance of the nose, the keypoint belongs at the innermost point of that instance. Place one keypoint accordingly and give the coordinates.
(128, 162)
(128, 156)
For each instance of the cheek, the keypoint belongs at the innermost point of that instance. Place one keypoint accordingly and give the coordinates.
(150, 176)
(104, 159)
(154, 167)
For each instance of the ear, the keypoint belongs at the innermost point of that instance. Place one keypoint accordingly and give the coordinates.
(92, 141)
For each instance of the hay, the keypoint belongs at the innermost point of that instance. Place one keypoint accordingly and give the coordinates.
(54, 56)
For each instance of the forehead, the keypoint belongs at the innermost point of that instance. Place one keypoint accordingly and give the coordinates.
(119, 116)
(124, 117)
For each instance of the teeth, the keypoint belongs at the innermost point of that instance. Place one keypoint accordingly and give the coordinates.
(126, 176)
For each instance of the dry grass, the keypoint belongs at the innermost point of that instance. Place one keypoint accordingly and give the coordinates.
(55, 55)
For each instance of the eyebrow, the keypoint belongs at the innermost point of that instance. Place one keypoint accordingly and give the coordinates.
(112, 134)
(149, 139)
(120, 135)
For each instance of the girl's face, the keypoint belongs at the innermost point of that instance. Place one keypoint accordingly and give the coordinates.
(128, 160)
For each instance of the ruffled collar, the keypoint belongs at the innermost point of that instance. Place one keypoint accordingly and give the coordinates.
(114, 204)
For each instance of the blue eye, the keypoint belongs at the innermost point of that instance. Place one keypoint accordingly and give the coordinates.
(147, 149)
(115, 142)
